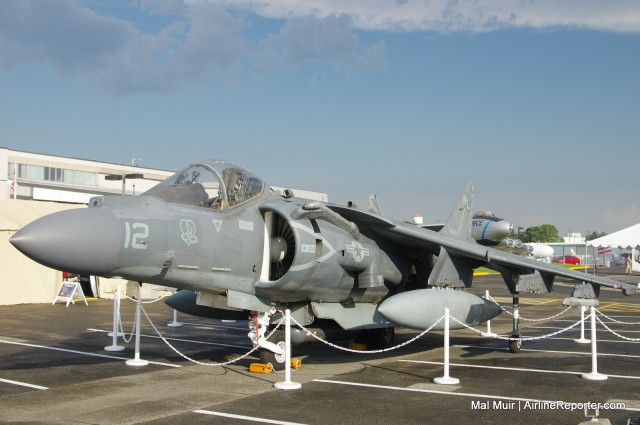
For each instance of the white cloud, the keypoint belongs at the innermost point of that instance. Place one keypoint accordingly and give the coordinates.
(194, 39)
(69, 37)
(328, 40)
(456, 15)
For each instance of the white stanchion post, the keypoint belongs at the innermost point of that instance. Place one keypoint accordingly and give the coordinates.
(446, 379)
(287, 384)
(594, 375)
(175, 323)
(488, 333)
(582, 339)
(116, 309)
(118, 302)
(136, 361)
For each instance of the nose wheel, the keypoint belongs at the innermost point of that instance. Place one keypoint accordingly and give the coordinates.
(272, 350)
(276, 360)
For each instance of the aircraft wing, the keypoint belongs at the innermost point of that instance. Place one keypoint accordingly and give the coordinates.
(458, 255)
(517, 270)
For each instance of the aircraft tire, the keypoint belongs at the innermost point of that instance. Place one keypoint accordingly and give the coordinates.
(277, 361)
(378, 339)
(515, 344)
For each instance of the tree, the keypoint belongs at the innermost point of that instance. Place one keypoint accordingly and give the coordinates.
(544, 233)
(594, 235)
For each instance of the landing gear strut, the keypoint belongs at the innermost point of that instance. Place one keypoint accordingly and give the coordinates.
(271, 351)
(514, 339)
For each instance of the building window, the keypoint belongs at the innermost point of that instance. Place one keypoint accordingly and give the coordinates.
(52, 174)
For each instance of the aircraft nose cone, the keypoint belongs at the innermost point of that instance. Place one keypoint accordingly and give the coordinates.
(501, 229)
(82, 241)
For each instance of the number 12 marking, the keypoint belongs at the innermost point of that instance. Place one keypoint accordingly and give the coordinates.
(135, 240)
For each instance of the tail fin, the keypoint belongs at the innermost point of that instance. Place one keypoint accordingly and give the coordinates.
(374, 206)
(459, 223)
(450, 269)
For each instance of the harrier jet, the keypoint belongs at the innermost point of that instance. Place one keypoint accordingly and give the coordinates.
(216, 231)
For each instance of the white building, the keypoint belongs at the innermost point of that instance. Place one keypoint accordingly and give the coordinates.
(42, 177)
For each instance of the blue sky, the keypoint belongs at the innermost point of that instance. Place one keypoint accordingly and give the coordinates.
(538, 102)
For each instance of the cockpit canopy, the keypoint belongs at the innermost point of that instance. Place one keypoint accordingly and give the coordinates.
(213, 184)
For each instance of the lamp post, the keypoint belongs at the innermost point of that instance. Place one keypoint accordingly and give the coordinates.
(124, 178)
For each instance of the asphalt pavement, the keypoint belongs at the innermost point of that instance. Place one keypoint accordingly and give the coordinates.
(54, 369)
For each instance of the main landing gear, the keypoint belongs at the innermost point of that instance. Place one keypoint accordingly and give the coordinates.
(514, 338)
(376, 339)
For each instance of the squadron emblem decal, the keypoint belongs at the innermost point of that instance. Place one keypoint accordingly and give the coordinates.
(188, 228)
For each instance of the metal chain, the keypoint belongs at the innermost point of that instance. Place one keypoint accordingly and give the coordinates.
(349, 350)
(509, 338)
(430, 328)
(617, 334)
(133, 327)
(208, 364)
(148, 302)
(616, 321)
(530, 320)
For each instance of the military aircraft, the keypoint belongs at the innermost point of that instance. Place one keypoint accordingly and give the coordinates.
(486, 228)
(489, 230)
(236, 248)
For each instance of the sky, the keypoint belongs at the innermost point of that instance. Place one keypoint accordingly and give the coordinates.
(536, 101)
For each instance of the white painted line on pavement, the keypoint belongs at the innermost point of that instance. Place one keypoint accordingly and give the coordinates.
(515, 369)
(105, 356)
(23, 384)
(245, 418)
(484, 347)
(537, 404)
(181, 340)
(423, 390)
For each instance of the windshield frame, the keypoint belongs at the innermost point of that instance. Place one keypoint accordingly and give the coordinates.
(235, 186)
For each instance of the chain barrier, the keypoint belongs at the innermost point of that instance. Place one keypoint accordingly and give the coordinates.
(148, 302)
(530, 320)
(616, 321)
(384, 350)
(184, 356)
(133, 327)
(132, 333)
(509, 338)
(615, 333)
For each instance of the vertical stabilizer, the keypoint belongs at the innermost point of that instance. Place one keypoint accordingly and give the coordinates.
(374, 206)
(452, 270)
(459, 222)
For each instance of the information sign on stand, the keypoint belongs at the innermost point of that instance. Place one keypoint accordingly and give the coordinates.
(68, 292)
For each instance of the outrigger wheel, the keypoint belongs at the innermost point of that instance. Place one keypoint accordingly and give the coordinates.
(277, 361)
(515, 342)
(514, 339)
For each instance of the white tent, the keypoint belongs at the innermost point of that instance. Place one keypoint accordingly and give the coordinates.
(628, 238)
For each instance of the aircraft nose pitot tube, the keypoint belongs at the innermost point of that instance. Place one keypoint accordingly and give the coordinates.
(421, 308)
(82, 241)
